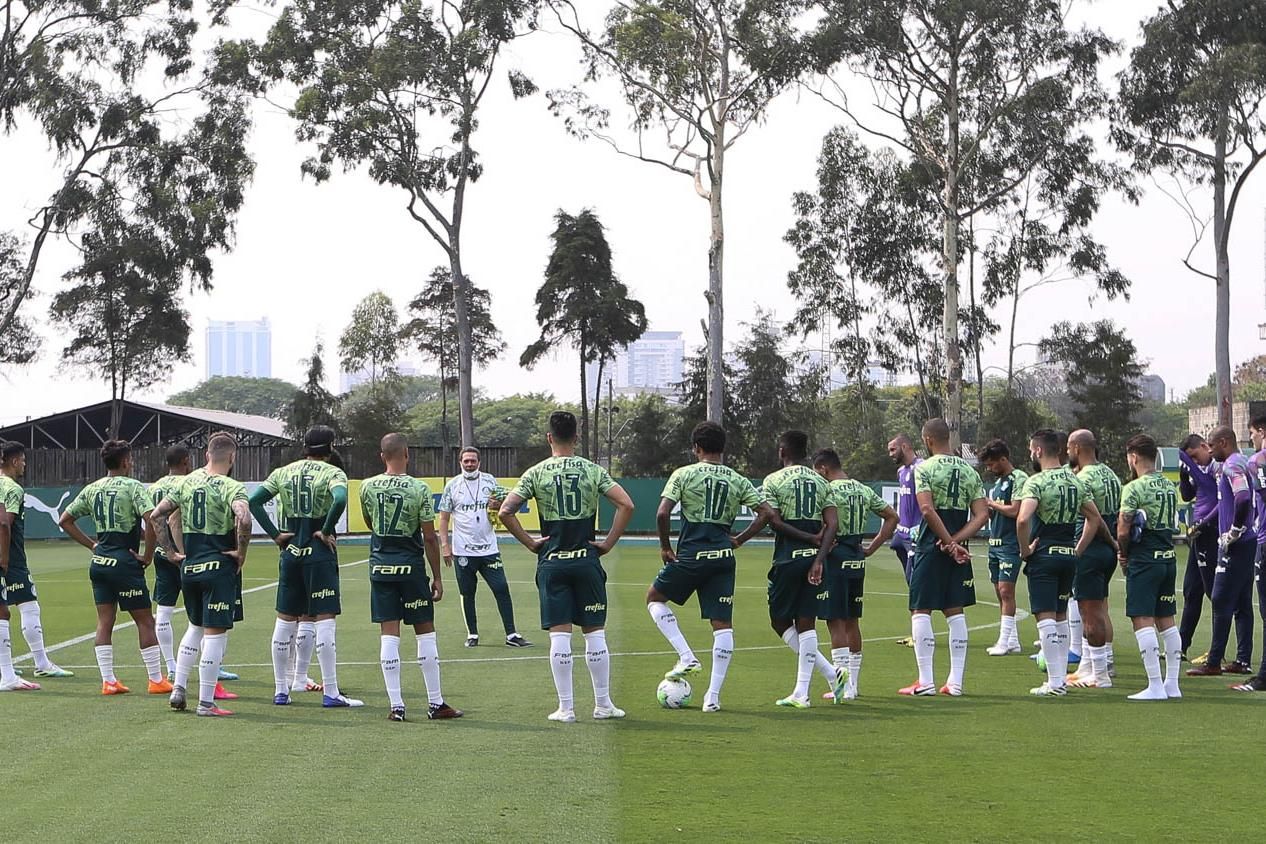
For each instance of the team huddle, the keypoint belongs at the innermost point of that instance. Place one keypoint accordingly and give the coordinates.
(1067, 527)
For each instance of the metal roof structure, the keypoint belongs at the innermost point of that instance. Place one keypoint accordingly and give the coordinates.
(143, 424)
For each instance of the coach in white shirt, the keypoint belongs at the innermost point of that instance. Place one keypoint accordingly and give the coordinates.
(465, 506)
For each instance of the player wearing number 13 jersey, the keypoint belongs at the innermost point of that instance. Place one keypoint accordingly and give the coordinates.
(569, 575)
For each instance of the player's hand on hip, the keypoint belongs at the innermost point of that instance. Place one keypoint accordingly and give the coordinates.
(284, 539)
(178, 558)
(603, 547)
(238, 558)
(329, 540)
(668, 555)
(537, 544)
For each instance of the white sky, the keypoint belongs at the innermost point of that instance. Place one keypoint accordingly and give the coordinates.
(306, 254)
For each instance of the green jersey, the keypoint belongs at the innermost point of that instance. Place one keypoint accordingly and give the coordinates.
(711, 496)
(954, 486)
(305, 493)
(13, 497)
(116, 505)
(159, 490)
(854, 502)
(1151, 503)
(567, 491)
(1060, 496)
(396, 507)
(799, 494)
(1005, 490)
(1104, 488)
(207, 521)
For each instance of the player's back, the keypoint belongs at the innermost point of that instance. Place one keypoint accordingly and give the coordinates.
(395, 507)
(711, 496)
(799, 494)
(1104, 488)
(1153, 502)
(14, 499)
(208, 523)
(115, 504)
(1060, 496)
(954, 485)
(304, 490)
(567, 491)
(854, 502)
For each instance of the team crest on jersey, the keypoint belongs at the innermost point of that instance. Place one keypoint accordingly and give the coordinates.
(463, 562)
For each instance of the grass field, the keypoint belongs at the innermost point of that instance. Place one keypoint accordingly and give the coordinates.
(993, 765)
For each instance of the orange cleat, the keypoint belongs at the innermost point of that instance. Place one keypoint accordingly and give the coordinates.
(222, 693)
(952, 691)
(211, 711)
(114, 688)
(160, 687)
(915, 690)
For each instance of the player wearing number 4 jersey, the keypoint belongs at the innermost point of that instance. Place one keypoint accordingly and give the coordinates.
(569, 574)
(710, 496)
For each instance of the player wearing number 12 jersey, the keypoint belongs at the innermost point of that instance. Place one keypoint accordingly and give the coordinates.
(710, 495)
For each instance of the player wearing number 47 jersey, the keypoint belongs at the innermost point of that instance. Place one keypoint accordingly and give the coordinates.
(710, 496)
(569, 575)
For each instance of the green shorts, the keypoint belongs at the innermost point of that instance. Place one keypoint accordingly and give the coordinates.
(1094, 572)
(1149, 589)
(572, 592)
(1051, 572)
(239, 614)
(1004, 566)
(118, 579)
(791, 595)
(19, 588)
(937, 582)
(711, 580)
(407, 600)
(210, 594)
(845, 581)
(307, 583)
(166, 582)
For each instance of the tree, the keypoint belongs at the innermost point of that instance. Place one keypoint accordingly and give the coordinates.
(1012, 417)
(312, 404)
(395, 86)
(1191, 105)
(257, 396)
(856, 428)
(19, 344)
(979, 92)
(433, 330)
(1102, 372)
(1165, 421)
(369, 411)
(643, 450)
(372, 338)
(703, 72)
(583, 303)
(692, 394)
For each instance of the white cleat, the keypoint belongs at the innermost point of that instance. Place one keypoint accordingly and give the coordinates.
(1151, 693)
(605, 713)
(1172, 692)
(1001, 649)
(1047, 690)
(850, 694)
(683, 668)
(712, 706)
(563, 716)
(17, 684)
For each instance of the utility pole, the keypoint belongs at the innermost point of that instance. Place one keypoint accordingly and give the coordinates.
(610, 416)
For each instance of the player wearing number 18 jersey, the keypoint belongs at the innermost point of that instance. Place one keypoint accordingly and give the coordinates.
(710, 495)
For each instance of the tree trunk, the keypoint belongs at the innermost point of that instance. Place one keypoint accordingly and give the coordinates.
(953, 354)
(1222, 320)
(444, 414)
(584, 403)
(597, 415)
(975, 334)
(716, 311)
(465, 390)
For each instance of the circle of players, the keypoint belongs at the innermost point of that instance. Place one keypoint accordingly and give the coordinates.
(1067, 526)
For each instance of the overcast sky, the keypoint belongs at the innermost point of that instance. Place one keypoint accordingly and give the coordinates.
(307, 253)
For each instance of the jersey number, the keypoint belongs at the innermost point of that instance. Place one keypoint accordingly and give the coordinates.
(105, 511)
(953, 489)
(716, 495)
(301, 494)
(1167, 503)
(567, 497)
(806, 494)
(198, 510)
(1068, 508)
(393, 502)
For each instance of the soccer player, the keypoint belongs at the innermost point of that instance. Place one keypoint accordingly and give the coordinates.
(1237, 547)
(1145, 528)
(952, 502)
(167, 573)
(710, 495)
(1046, 529)
(1004, 548)
(398, 510)
(901, 450)
(18, 587)
(465, 506)
(1096, 565)
(119, 506)
(1198, 481)
(802, 516)
(569, 575)
(215, 523)
(845, 574)
(313, 495)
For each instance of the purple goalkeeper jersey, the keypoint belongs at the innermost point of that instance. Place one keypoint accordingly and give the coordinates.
(1204, 485)
(1257, 464)
(1235, 480)
(908, 515)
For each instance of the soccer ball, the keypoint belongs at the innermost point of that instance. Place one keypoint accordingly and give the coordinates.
(673, 694)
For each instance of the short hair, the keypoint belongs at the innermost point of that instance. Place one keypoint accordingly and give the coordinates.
(1144, 446)
(995, 449)
(562, 425)
(178, 454)
(220, 445)
(113, 453)
(319, 441)
(393, 444)
(1223, 432)
(709, 437)
(936, 430)
(1047, 440)
(794, 444)
(469, 449)
(903, 439)
(1191, 441)
(1085, 438)
(828, 458)
(1258, 423)
(11, 449)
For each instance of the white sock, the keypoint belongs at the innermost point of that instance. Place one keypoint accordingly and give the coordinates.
(283, 638)
(305, 644)
(6, 654)
(1149, 649)
(327, 656)
(841, 657)
(1048, 635)
(153, 659)
(105, 663)
(822, 664)
(213, 645)
(1172, 642)
(1110, 654)
(722, 653)
(187, 658)
(166, 638)
(389, 657)
(33, 632)
(809, 655)
(666, 620)
(599, 659)
(855, 671)
(957, 648)
(560, 664)
(924, 646)
(429, 662)
(1007, 632)
(1074, 628)
(1062, 649)
(1094, 657)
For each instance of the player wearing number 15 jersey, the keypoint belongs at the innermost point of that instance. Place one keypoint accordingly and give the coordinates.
(710, 495)
(569, 575)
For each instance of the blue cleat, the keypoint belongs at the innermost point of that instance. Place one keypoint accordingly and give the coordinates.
(340, 702)
(227, 675)
(282, 699)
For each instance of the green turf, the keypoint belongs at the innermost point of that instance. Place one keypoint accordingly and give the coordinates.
(993, 765)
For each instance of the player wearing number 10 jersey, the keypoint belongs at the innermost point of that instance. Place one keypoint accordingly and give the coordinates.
(710, 495)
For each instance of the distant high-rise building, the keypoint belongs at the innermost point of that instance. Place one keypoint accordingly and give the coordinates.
(1152, 387)
(655, 361)
(240, 348)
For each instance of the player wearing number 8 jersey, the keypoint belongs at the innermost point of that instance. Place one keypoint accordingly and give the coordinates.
(710, 496)
(569, 575)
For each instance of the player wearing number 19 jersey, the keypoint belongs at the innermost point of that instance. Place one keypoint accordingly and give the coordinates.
(710, 495)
